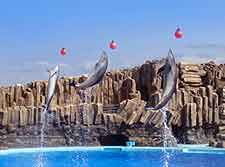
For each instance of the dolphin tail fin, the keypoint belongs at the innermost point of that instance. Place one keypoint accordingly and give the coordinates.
(44, 108)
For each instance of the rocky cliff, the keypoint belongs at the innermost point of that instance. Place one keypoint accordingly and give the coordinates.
(113, 111)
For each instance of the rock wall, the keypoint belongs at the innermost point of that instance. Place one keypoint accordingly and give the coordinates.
(114, 109)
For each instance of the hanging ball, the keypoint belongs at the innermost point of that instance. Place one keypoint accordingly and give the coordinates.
(63, 51)
(178, 34)
(113, 45)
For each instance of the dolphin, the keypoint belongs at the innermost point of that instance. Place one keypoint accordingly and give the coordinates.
(171, 75)
(96, 75)
(53, 77)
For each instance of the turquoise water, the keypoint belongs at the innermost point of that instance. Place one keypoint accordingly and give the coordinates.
(112, 157)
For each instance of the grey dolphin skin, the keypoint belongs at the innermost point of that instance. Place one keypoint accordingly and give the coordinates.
(53, 77)
(171, 74)
(96, 75)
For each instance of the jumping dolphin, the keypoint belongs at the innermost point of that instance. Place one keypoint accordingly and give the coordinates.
(53, 77)
(170, 73)
(96, 75)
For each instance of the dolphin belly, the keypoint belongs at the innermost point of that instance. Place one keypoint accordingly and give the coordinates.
(170, 72)
(97, 73)
(53, 77)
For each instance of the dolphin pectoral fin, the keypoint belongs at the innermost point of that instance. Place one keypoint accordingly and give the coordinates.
(162, 66)
(161, 69)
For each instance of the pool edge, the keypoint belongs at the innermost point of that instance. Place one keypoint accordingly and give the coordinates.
(111, 148)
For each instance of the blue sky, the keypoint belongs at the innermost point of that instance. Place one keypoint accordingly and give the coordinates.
(32, 33)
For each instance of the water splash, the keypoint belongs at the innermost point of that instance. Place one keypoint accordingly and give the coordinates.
(43, 123)
(86, 95)
(168, 139)
(80, 159)
(40, 159)
(86, 100)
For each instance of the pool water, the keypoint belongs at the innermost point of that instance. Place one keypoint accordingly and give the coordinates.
(112, 157)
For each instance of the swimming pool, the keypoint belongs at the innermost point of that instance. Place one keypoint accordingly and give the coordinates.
(112, 157)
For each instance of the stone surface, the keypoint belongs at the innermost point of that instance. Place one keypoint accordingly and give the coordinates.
(116, 106)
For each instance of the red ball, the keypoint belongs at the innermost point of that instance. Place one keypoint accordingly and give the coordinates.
(113, 45)
(178, 33)
(63, 51)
